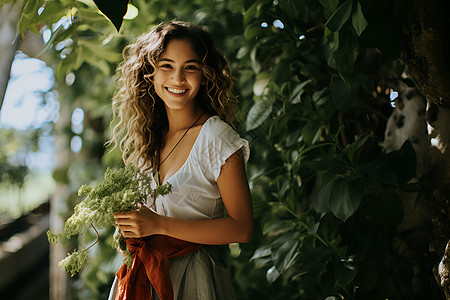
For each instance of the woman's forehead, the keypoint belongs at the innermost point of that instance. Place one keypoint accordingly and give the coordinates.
(180, 50)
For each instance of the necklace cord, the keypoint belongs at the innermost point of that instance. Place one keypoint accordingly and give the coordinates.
(180, 140)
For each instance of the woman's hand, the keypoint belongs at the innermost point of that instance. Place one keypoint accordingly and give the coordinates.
(138, 223)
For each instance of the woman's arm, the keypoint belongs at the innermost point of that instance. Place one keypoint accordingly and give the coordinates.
(236, 227)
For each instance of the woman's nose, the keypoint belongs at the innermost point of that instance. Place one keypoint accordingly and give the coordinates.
(178, 75)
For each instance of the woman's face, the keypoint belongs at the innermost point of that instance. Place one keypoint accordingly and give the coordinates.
(178, 75)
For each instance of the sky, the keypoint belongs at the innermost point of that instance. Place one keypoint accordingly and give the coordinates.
(30, 103)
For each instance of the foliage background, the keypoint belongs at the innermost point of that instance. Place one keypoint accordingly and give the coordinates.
(314, 80)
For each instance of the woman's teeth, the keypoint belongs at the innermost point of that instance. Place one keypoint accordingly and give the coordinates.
(176, 91)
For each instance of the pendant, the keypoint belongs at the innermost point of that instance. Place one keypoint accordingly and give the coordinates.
(156, 178)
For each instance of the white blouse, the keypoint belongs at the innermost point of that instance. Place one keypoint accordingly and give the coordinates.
(195, 194)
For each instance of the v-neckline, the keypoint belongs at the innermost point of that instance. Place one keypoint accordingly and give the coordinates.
(156, 173)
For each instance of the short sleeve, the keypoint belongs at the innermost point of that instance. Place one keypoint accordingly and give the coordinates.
(221, 142)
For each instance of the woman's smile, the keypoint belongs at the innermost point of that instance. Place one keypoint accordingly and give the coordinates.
(176, 91)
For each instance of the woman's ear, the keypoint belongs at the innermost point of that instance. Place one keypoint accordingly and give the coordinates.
(203, 82)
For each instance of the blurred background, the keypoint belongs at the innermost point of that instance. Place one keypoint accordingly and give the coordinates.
(344, 103)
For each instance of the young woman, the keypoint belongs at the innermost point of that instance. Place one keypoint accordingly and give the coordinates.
(175, 107)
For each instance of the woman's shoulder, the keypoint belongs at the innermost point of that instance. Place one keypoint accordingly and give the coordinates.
(215, 127)
(223, 138)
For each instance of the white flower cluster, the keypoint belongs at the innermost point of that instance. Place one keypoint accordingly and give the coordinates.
(122, 190)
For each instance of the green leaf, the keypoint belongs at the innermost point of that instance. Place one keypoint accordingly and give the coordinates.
(256, 66)
(246, 80)
(28, 16)
(322, 200)
(292, 8)
(261, 252)
(282, 72)
(310, 148)
(353, 150)
(50, 42)
(114, 10)
(259, 112)
(272, 274)
(311, 132)
(53, 12)
(322, 163)
(101, 51)
(250, 13)
(340, 16)
(260, 84)
(318, 96)
(345, 56)
(243, 51)
(345, 198)
(330, 5)
(358, 20)
(298, 91)
(283, 255)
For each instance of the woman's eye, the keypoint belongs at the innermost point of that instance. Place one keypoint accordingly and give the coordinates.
(192, 67)
(165, 66)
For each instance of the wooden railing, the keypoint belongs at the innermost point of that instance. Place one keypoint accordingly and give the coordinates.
(24, 256)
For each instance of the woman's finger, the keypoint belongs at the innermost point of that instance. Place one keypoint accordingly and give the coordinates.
(129, 234)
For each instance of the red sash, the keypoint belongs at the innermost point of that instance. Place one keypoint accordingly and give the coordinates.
(151, 267)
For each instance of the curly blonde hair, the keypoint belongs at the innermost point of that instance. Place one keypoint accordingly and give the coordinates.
(142, 115)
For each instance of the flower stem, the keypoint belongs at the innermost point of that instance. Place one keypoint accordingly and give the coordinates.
(96, 241)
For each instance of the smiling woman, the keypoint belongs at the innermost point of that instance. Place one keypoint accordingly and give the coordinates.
(175, 107)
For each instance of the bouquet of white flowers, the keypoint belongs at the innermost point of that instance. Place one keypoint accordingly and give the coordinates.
(122, 190)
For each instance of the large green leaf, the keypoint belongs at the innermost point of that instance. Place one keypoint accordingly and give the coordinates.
(114, 10)
(298, 91)
(321, 201)
(311, 132)
(260, 84)
(28, 16)
(345, 198)
(261, 252)
(308, 149)
(259, 112)
(358, 20)
(330, 5)
(272, 274)
(340, 16)
(283, 255)
(345, 56)
(53, 11)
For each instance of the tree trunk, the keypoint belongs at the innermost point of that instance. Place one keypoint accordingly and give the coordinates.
(60, 283)
(9, 16)
(425, 55)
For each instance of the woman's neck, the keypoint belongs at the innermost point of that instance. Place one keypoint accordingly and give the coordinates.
(181, 119)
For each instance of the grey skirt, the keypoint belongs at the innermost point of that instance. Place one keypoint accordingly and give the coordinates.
(199, 275)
